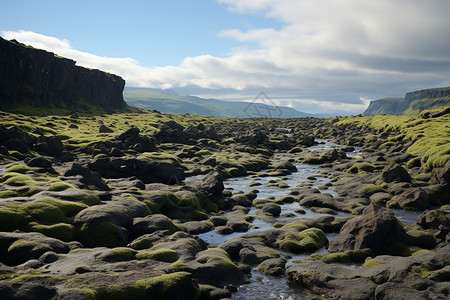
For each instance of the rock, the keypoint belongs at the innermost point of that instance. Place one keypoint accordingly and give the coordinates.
(91, 179)
(39, 162)
(17, 248)
(271, 208)
(148, 170)
(73, 126)
(152, 223)
(14, 138)
(51, 145)
(273, 267)
(376, 229)
(321, 200)
(105, 129)
(211, 185)
(395, 172)
(433, 219)
(197, 227)
(441, 176)
(285, 165)
(413, 199)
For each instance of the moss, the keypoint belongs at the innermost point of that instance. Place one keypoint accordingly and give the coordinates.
(104, 234)
(177, 265)
(308, 240)
(60, 186)
(8, 194)
(17, 179)
(421, 251)
(199, 215)
(17, 155)
(369, 189)
(371, 263)
(124, 253)
(165, 255)
(49, 210)
(298, 224)
(19, 169)
(420, 270)
(28, 191)
(12, 218)
(361, 167)
(64, 232)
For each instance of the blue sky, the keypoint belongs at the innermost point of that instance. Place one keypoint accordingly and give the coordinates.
(316, 56)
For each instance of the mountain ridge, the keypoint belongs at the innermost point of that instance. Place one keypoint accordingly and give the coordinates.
(168, 101)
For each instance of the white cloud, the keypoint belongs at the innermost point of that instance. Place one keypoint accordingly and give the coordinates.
(335, 52)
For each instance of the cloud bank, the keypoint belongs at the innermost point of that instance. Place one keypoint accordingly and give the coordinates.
(330, 55)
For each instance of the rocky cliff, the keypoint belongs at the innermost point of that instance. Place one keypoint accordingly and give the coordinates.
(413, 103)
(34, 78)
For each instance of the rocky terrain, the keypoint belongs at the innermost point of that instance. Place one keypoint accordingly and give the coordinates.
(114, 206)
(35, 81)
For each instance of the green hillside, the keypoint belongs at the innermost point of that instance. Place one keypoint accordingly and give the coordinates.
(167, 101)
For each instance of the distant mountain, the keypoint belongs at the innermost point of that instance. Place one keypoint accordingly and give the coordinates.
(167, 101)
(412, 103)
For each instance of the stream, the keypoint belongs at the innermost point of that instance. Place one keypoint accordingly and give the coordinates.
(261, 286)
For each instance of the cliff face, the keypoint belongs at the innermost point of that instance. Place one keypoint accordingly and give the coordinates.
(428, 94)
(413, 103)
(39, 78)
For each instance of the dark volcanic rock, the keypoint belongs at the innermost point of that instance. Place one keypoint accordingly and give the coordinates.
(14, 138)
(51, 145)
(376, 229)
(39, 78)
(91, 179)
(395, 172)
(413, 198)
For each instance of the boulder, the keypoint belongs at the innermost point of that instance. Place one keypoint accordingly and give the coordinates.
(376, 229)
(211, 185)
(51, 145)
(39, 162)
(441, 176)
(395, 172)
(105, 129)
(413, 199)
(14, 138)
(91, 179)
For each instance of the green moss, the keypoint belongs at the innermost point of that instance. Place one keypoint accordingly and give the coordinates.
(50, 211)
(26, 244)
(308, 240)
(17, 155)
(62, 231)
(60, 186)
(361, 167)
(12, 218)
(19, 169)
(28, 191)
(8, 194)
(421, 251)
(369, 189)
(199, 215)
(165, 255)
(124, 253)
(420, 270)
(104, 234)
(371, 263)
(17, 179)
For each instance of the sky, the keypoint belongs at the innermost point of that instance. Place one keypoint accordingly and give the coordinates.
(318, 56)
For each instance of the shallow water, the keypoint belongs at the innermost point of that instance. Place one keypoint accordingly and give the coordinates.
(262, 286)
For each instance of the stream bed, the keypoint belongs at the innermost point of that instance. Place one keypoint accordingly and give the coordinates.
(261, 286)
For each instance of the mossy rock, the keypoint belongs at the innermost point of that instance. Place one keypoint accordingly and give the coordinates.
(12, 218)
(368, 190)
(50, 210)
(23, 250)
(16, 154)
(347, 257)
(441, 275)
(19, 169)
(62, 231)
(371, 263)
(17, 179)
(165, 255)
(28, 191)
(60, 186)
(199, 215)
(166, 287)
(308, 240)
(8, 194)
(361, 167)
(124, 253)
(104, 234)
